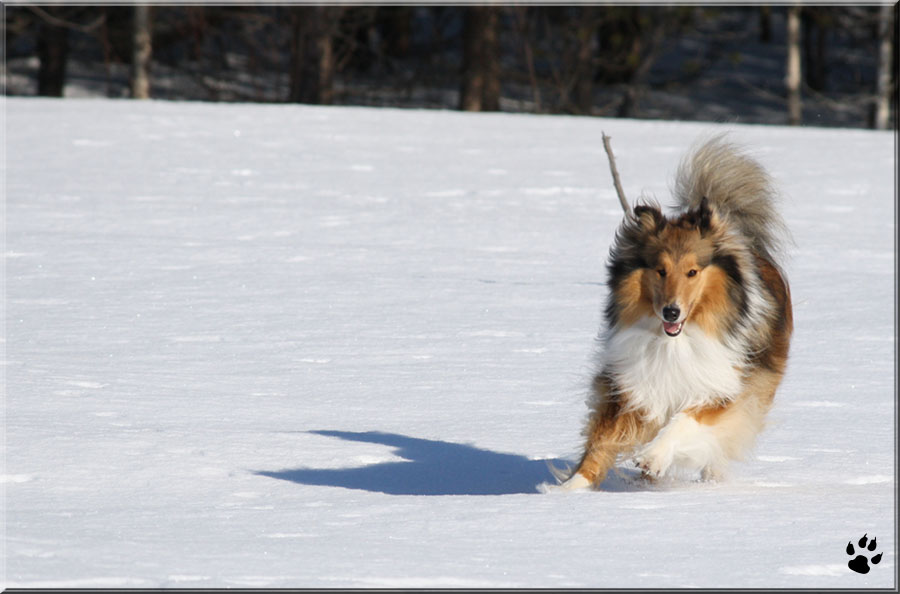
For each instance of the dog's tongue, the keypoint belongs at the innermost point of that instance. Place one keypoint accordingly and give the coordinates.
(671, 328)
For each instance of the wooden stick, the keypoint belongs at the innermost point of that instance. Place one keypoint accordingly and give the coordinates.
(615, 174)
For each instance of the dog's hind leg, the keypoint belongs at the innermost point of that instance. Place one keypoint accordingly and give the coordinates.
(736, 425)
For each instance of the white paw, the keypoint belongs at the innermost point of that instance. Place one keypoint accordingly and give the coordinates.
(576, 481)
(654, 461)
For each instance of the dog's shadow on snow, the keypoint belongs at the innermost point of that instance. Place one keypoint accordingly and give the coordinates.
(432, 467)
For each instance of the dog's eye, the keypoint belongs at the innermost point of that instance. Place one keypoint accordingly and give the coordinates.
(692, 272)
(662, 272)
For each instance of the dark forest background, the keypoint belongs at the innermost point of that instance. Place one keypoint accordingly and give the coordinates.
(815, 65)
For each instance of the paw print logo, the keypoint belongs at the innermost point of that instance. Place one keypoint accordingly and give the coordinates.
(860, 563)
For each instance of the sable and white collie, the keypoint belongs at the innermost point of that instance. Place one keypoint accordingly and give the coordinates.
(698, 325)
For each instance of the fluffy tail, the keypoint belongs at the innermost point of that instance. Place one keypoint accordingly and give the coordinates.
(738, 189)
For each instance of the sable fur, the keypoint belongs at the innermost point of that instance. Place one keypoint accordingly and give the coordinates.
(740, 189)
(691, 390)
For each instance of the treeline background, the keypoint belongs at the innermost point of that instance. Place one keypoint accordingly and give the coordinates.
(816, 65)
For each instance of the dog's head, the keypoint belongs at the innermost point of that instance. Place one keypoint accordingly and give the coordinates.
(674, 262)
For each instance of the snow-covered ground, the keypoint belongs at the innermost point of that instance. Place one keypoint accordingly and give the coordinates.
(300, 346)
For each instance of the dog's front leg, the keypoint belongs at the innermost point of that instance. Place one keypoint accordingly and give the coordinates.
(686, 440)
(656, 457)
(610, 431)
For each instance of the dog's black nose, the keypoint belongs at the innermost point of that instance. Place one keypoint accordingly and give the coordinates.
(671, 313)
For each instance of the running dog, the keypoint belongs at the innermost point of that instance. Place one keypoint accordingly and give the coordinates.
(698, 325)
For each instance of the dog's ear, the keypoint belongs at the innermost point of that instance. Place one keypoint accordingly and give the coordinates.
(704, 216)
(649, 218)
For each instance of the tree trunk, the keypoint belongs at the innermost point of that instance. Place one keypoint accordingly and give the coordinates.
(472, 68)
(398, 26)
(521, 14)
(491, 96)
(884, 82)
(765, 24)
(628, 106)
(141, 53)
(814, 47)
(584, 67)
(53, 50)
(480, 89)
(821, 57)
(794, 75)
(312, 54)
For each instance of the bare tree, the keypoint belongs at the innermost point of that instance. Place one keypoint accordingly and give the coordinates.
(491, 40)
(313, 61)
(623, 44)
(765, 24)
(884, 84)
(53, 53)
(480, 89)
(141, 53)
(398, 25)
(53, 26)
(584, 61)
(816, 22)
(526, 38)
(794, 77)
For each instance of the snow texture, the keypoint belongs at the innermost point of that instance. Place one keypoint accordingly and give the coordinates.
(293, 346)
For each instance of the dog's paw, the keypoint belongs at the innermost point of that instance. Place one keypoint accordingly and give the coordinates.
(573, 483)
(653, 461)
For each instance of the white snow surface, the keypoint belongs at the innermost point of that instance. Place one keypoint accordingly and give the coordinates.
(295, 346)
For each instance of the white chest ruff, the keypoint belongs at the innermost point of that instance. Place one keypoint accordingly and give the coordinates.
(663, 375)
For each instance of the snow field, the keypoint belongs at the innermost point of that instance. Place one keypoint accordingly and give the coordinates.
(288, 346)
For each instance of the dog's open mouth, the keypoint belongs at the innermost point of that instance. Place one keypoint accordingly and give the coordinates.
(672, 329)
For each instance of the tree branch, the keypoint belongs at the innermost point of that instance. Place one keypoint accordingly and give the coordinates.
(58, 22)
(615, 174)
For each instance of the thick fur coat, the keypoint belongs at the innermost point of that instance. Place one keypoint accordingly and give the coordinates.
(697, 324)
